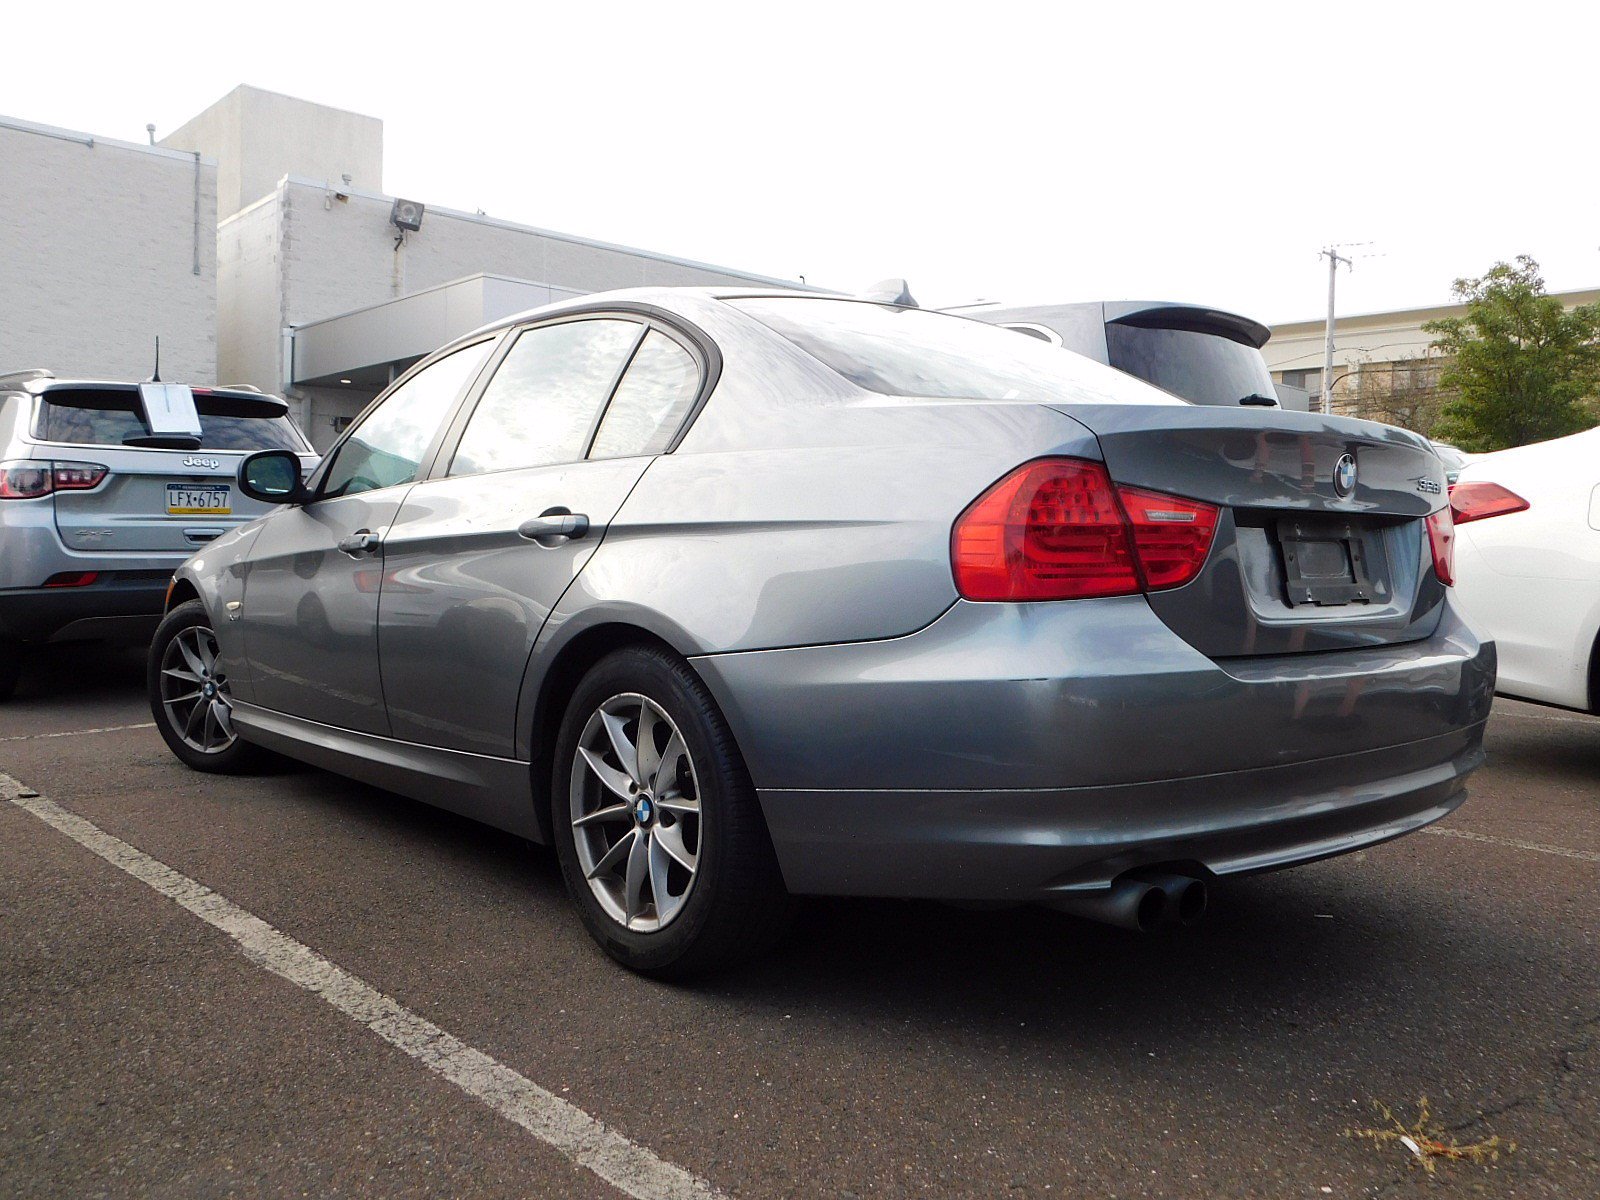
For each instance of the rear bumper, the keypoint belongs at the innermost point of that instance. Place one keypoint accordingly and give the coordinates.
(1012, 751)
(108, 608)
(1032, 845)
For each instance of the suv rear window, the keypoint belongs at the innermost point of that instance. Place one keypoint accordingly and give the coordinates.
(110, 417)
(913, 352)
(1203, 367)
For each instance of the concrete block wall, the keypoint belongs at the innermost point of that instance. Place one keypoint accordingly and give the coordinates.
(97, 257)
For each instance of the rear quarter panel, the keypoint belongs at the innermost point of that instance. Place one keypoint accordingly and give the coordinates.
(1531, 580)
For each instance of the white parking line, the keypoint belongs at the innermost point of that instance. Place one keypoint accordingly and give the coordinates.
(1512, 843)
(29, 737)
(629, 1167)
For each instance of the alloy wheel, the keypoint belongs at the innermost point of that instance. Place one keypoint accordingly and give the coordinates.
(194, 692)
(635, 811)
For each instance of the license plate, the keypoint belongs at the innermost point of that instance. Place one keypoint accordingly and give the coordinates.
(198, 499)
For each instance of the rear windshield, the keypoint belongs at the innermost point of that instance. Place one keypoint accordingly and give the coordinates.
(111, 418)
(1201, 367)
(912, 352)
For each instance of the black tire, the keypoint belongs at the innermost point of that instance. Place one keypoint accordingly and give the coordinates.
(237, 757)
(736, 906)
(10, 667)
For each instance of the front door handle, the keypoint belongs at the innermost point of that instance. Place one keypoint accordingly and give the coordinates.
(554, 523)
(362, 541)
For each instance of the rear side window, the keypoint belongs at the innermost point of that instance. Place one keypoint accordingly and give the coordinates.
(913, 352)
(111, 418)
(388, 446)
(543, 400)
(651, 401)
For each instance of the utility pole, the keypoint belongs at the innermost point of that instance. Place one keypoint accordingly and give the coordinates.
(1331, 253)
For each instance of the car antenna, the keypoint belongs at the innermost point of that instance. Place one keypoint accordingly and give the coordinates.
(155, 376)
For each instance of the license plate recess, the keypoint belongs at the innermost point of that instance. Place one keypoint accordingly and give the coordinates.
(1324, 561)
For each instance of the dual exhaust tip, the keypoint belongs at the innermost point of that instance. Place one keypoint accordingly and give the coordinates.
(1144, 900)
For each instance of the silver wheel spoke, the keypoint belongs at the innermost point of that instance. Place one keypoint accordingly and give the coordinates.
(634, 879)
(648, 760)
(189, 724)
(658, 879)
(666, 775)
(627, 753)
(224, 716)
(614, 779)
(186, 676)
(614, 812)
(682, 805)
(190, 657)
(670, 839)
(181, 699)
(208, 655)
(615, 855)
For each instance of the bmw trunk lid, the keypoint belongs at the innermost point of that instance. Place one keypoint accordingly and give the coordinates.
(1322, 542)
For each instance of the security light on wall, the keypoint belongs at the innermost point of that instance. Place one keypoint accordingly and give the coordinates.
(406, 214)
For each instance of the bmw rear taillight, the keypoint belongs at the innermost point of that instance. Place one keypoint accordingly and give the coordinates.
(1475, 501)
(1059, 529)
(21, 479)
(1442, 541)
(1172, 535)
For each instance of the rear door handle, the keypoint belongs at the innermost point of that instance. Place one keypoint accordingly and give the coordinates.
(554, 523)
(362, 541)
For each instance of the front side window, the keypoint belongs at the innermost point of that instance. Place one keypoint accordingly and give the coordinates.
(651, 402)
(388, 446)
(913, 352)
(543, 400)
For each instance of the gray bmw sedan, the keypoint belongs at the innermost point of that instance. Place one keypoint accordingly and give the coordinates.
(735, 596)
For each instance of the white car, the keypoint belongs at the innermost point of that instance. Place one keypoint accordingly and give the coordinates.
(1527, 565)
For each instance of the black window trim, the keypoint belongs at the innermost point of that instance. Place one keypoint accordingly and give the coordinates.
(648, 317)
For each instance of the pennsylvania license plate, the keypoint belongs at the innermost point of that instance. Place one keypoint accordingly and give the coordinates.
(198, 499)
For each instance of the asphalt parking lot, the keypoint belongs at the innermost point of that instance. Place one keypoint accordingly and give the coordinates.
(889, 1049)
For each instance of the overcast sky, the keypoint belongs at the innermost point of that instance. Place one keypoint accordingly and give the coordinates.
(1198, 152)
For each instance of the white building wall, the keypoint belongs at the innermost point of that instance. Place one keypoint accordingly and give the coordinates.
(250, 296)
(98, 243)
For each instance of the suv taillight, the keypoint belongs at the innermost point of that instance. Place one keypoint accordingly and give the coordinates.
(1442, 541)
(1475, 501)
(21, 479)
(1059, 529)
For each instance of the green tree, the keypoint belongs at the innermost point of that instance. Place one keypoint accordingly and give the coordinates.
(1521, 367)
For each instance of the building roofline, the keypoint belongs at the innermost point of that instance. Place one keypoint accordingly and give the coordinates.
(93, 141)
(572, 238)
(250, 87)
(1405, 316)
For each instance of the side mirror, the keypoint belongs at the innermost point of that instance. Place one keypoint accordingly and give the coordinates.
(273, 477)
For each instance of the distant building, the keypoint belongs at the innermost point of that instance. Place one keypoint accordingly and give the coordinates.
(104, 247)
(1382, 367)
(257, 241)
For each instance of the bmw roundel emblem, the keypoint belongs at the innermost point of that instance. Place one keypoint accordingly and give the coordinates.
(1344, 475)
